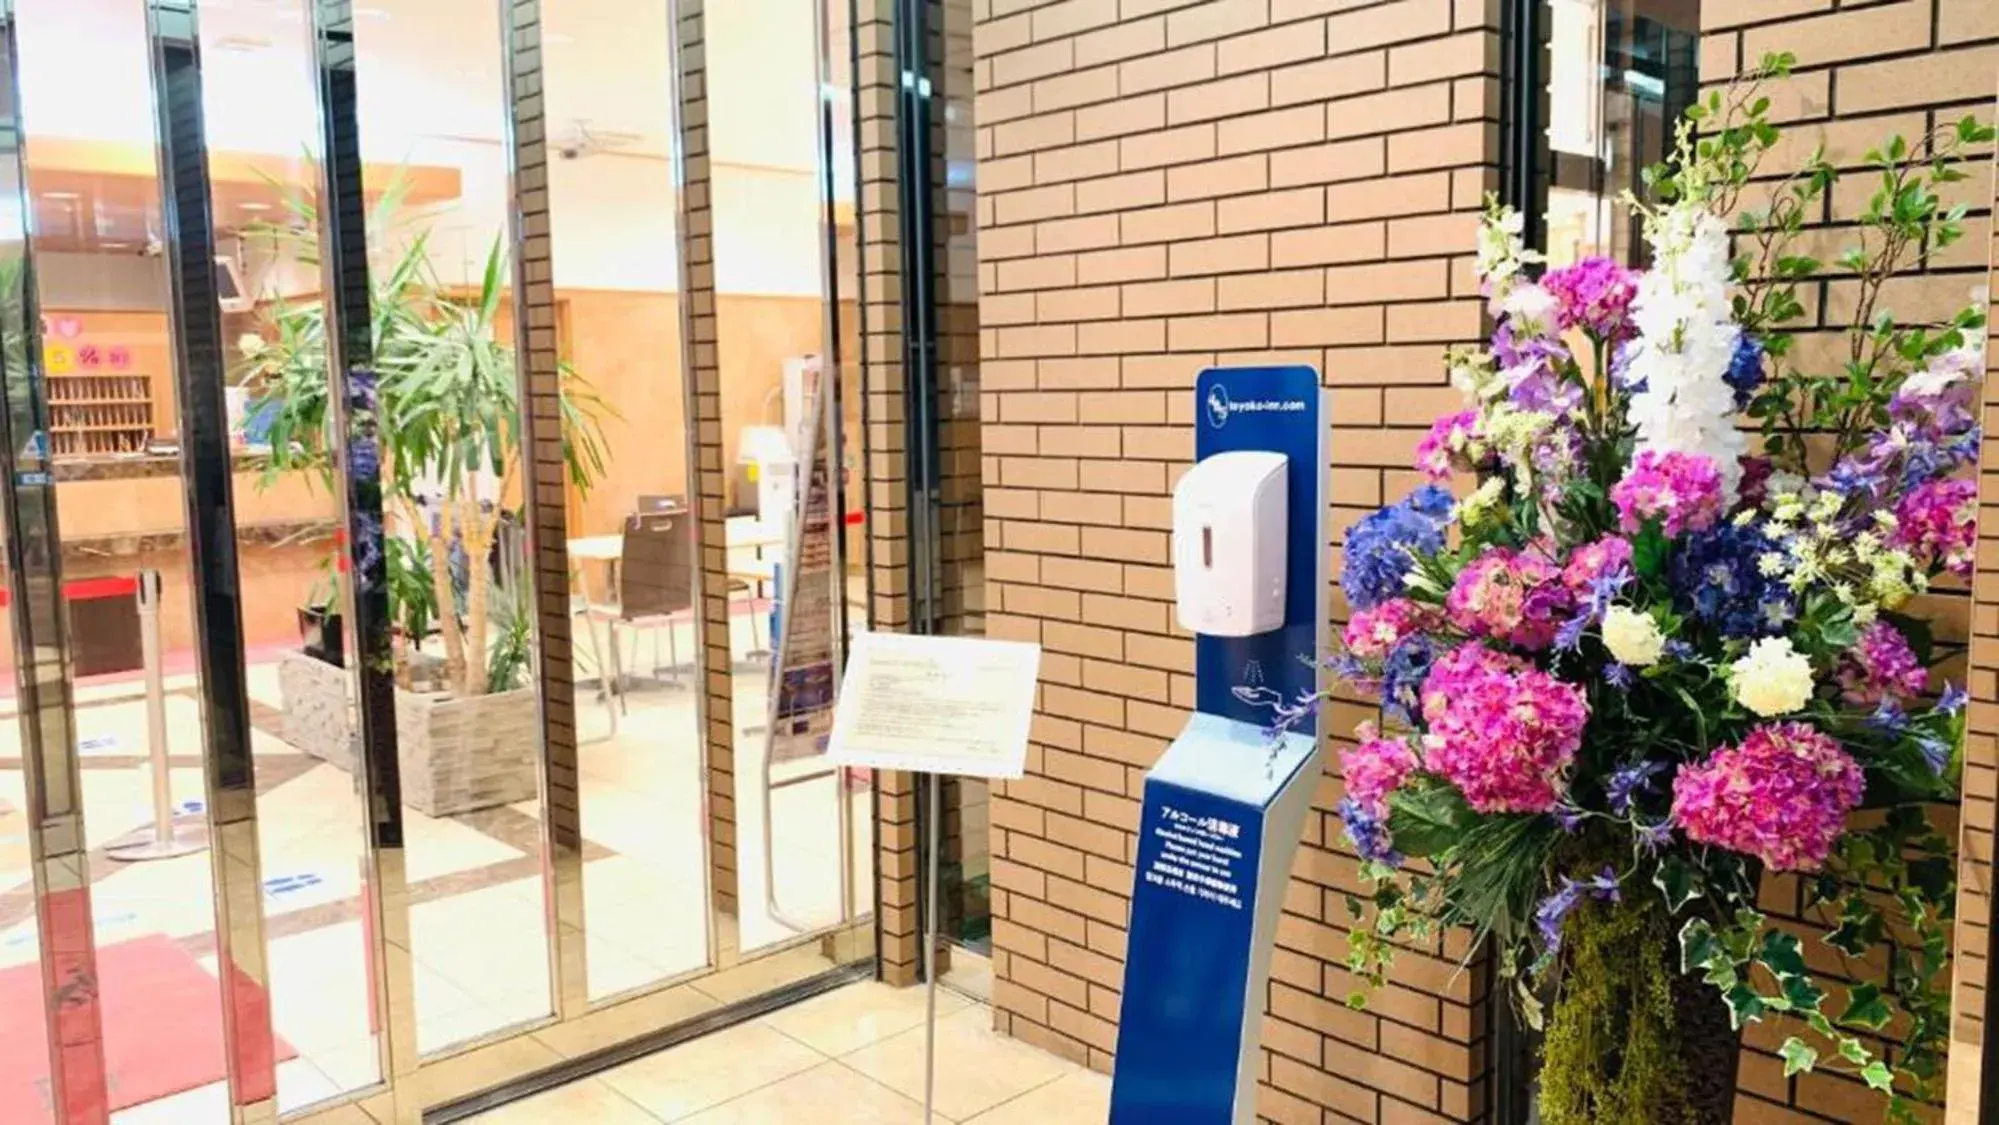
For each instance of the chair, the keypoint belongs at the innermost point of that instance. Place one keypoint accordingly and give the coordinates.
(655, 588)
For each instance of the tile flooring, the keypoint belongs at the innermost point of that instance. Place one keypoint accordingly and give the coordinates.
(849, 1057)
(479, 946)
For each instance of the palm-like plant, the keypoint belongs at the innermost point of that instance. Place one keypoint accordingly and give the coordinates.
(449, 418)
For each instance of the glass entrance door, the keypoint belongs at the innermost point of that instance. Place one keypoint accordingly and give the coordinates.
(384, 674)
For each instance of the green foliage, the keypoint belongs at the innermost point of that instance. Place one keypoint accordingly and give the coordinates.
(447, 416)
(1613, 1050)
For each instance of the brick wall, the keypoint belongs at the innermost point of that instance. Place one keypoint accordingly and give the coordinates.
(1166, 184)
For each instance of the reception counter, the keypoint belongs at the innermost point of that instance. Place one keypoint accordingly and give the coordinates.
(121, 514)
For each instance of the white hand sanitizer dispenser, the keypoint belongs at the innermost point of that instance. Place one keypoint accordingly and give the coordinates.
(1229, 543)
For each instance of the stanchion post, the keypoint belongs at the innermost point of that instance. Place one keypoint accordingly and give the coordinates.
(156, 706)
(165, 839)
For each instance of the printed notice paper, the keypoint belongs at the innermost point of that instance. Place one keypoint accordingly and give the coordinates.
(950, 705)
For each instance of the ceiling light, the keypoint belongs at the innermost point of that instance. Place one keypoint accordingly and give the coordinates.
(65, 195)
(254, 206)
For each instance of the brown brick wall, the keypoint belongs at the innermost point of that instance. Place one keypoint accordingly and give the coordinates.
(704, 370)
(1167, 184)
(1164, 186)
(1981, 751)
(896, 863)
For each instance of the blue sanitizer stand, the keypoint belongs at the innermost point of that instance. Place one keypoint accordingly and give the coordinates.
(1225, 806)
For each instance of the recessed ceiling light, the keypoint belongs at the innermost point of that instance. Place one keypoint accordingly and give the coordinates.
(254, 206)
(61, 195)
(116, 245)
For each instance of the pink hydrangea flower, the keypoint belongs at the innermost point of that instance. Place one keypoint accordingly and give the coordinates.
(1781, 796)
(1370, 633)
(1595, 295)
(1882, 666)
(1596, 560)
(1452, 443)
(1511, 596)
(1936, 523)
(1682, 490)
(1375, 768)
(1501, 731)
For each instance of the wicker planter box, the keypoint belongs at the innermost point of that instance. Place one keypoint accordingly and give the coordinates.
(458, 754)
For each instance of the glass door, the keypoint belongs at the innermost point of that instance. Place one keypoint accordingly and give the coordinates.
(380, 694)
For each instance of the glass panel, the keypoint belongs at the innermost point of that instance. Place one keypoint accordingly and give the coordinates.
(960, 547)
(263, 124)
(37, 775)
(432, 121)
(773, 316)
(608, 68)
(1622, 73)
(112, 429)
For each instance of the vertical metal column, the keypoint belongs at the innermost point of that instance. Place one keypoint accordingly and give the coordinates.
(57, 850)
(343, 253)
(832, 373)
(545, 475)
(206, 475)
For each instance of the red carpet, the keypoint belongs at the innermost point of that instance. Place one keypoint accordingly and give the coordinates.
(162, 1029)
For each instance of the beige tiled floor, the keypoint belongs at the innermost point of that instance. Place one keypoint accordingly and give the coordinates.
(851, 1057)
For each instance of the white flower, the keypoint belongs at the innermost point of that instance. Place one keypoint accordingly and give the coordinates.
(1632, 637)
(250, 344)
(1951, 367)
(1772, 678)
(1686, 340)
(1531, 309)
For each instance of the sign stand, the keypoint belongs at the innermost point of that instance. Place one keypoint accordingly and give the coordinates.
(936, 706)
(163, 839)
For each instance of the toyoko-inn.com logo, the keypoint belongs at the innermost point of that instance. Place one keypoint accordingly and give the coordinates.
(1221, 408)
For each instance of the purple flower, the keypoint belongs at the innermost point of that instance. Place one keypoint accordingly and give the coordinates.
(1627, 783)
(1570, 636)
(364, 459)
(1652, 837)
(1403, 674)
(1553, 910)
(1953, 699)
(1568, 816)
(1617, 675)
(1368, 832)
(1889, 717)
(361, 389)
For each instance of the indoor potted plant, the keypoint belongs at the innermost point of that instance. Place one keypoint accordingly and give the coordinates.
(447, 401)
(1651, 657)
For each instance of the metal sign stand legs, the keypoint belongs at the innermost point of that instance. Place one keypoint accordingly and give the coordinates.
(163, 839)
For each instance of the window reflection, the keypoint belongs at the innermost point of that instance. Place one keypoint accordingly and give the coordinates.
(1622, 73)
(633, 570)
